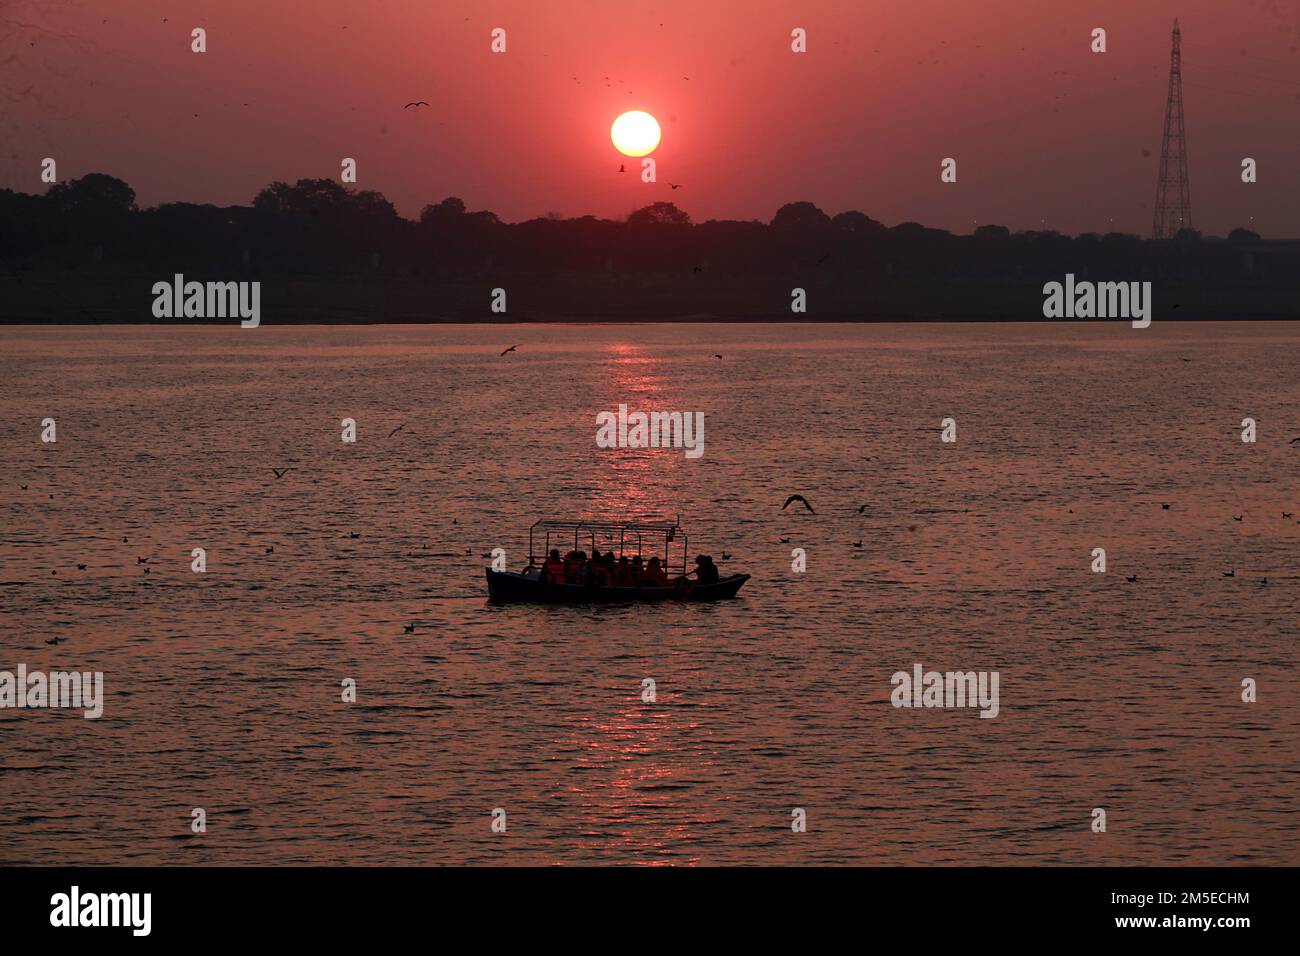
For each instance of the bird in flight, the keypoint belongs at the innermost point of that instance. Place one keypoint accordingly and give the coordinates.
(416, 103)
(1230, 574)
(54, 640)
(1133, 578)
(511, 349)
(717, 356)
(1287, 514)
(1237, 517)
(785, 540)
(1164, 507)
(675, 185)
(1294, 440)
(409, 628)
(81, 567)
(397, 429)
(799, 498)
(279, 472)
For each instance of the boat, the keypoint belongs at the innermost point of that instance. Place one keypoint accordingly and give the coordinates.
(624, 537)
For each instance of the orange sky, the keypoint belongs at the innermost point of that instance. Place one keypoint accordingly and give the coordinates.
(1045, 132)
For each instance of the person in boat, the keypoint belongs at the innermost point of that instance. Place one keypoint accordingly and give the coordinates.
(623, 573)
(553, 568)
(636, 574)
(594, 572)
(573, 564)
(655, 577)
(706, 572)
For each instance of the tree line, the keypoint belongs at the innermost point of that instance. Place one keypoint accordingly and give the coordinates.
(320, 227)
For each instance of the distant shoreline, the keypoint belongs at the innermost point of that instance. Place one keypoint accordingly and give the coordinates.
(660, 320)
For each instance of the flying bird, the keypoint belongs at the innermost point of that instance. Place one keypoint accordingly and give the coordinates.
(1288, 514)
(54, 640)
(717, 356)
(1133, 578)
(785, 540)
(675, 185)
(1164, 507)
(799, 498)
(271, 549)
(1230, 574)
(81, 567)
(409, 628)
(279, 472)
(511, 349)
(416, 103)
(1237, 517)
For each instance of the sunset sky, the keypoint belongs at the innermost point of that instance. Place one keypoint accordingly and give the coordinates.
(1045, 133)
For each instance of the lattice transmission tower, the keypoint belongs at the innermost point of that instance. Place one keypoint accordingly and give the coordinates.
(1173, 193)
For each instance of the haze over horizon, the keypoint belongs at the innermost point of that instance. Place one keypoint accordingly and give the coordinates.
(1046, 133)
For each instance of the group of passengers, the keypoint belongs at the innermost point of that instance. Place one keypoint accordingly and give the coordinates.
(604, 571)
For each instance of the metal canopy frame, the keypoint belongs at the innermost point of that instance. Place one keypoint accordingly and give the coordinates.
(624, 531)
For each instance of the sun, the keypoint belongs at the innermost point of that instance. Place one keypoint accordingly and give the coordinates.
(635, 133)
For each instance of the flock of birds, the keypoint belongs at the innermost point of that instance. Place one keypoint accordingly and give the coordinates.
(794, 499)
(1133, 578)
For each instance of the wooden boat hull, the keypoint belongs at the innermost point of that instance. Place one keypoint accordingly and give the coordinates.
(508, 587)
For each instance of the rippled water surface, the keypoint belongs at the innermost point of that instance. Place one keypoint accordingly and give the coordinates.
(223, 689)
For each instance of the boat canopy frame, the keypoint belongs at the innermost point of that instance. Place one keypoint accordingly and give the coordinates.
(625, 531)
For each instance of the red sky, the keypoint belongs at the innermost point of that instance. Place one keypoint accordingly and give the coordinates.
(1044, 131)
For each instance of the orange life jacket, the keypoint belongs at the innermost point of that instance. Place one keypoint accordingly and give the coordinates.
(553, 570)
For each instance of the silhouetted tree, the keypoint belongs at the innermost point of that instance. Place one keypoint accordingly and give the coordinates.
(93, 195)
(659, 214)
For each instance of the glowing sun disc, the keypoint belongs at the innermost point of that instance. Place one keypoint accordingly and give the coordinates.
(635, 133)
